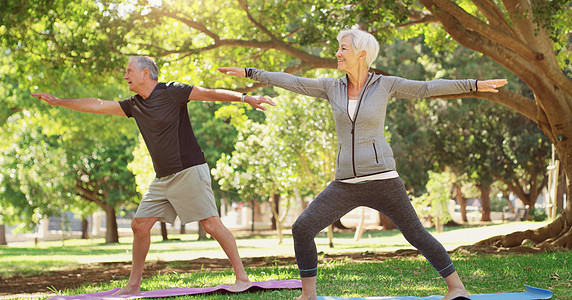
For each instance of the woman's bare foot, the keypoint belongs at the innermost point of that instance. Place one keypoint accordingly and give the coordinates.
(452, 294)
(240, 285)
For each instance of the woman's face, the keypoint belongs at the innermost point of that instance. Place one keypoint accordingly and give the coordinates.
(347, 59)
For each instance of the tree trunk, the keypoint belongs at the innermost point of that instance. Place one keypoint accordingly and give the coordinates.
(183, 229)
(111, 233)
(84, 229)
(462, 201)
(360, 227)
(331, 236)
(3, 240)
(202, 233)
(277, 224)
(252, 205)
(506, 195)
(275, 204)
(438, 224)
(485, 189)
(164, 231)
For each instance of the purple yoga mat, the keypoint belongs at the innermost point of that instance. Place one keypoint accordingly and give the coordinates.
(264, 285)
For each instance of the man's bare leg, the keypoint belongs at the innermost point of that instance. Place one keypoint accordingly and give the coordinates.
(224, 237)
(455, 286)
(308, 289)
(141, 242)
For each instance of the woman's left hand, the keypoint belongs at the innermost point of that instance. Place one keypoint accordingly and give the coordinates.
(490, 85)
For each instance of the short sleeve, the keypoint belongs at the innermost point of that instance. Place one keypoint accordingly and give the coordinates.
(126, 105)
(179, 91)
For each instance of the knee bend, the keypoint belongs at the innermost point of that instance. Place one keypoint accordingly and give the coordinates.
(141, 226)
(299, 230)
(211, 224)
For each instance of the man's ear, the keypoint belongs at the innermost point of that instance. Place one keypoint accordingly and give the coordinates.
(146, 73)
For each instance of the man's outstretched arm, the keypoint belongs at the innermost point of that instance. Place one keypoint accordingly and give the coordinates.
(203, 94)
(91, 105)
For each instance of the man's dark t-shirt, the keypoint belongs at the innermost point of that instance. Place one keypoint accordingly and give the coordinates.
(164, 123)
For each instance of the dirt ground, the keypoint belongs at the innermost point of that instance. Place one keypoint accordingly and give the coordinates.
(38, 285)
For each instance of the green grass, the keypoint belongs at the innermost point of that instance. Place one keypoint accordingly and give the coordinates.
(406, 276)
(392, 277)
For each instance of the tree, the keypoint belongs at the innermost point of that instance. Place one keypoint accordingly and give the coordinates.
(524, 37)
(255, 168)
(437, 197)
(33, 182)
(528, 38)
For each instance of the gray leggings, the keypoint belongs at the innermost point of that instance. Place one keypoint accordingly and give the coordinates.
(387, 196)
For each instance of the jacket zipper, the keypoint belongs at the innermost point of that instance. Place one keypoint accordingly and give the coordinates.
(354, 122)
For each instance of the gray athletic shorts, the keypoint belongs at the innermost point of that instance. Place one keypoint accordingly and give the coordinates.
(187, 194)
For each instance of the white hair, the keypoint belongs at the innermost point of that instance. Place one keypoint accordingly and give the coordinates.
(362, 40)
(146, 62)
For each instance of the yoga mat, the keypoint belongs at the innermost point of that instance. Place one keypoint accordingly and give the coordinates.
(256, 286)
(531, 293)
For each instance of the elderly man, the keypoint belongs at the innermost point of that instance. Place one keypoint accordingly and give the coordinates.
(183, 185)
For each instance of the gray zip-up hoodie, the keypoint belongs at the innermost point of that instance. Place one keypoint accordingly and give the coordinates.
(362, 148)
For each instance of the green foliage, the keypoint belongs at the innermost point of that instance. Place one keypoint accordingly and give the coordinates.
(437, 197)
(554, 17)
(538, 215)
(294, 148)
(33, 182)
(47, 37)
(142, 166)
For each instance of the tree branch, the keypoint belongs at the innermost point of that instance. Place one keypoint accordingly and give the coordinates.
(504, 49)
(451, 11)
(519, 103)
(90, 196)
(189, 22)
(495, 16)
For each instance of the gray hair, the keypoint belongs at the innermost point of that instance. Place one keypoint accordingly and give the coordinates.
(362, 40)
(146, 62)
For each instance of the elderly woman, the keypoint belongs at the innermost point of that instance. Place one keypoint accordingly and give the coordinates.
(365, 173)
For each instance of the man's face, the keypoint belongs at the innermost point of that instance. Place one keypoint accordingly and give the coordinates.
(135, 78)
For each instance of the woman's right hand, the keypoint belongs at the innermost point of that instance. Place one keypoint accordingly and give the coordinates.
(238, 72)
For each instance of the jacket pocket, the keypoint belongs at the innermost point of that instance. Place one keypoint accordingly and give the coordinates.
(375, 152)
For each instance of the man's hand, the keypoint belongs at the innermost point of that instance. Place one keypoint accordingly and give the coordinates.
(238, 72)
(50, 99)
(257, 101)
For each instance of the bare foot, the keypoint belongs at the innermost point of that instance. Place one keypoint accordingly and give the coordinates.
(240, 285)
(307, 297)
(452, 294)
(128, 290)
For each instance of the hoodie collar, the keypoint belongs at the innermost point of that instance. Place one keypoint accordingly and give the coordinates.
(375, 76)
